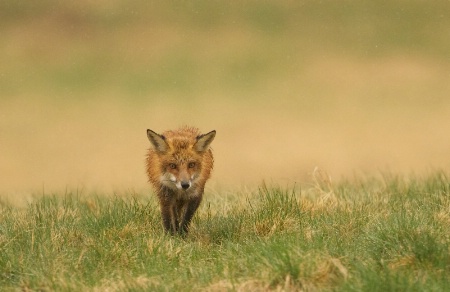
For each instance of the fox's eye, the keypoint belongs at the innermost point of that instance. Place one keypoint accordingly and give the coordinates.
(172, 165)
(191, 164)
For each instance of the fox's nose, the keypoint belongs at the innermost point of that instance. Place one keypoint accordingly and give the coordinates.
(185, 185)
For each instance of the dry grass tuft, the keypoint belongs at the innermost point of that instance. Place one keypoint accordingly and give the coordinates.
(126, 284)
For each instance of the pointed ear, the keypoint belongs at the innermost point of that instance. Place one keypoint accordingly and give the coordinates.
(158, 141)
(203, 141)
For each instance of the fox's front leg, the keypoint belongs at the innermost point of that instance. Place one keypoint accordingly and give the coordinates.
(192, 206)
(170, 220)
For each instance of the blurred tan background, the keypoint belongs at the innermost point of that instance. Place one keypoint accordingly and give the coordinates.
(352, 87)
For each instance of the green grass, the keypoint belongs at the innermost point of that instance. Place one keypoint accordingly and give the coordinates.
(377, 234)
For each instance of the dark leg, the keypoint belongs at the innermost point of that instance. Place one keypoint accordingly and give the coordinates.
(175, 220)
(166, 218)
(168, 211)
(190, 211)
(169, 218)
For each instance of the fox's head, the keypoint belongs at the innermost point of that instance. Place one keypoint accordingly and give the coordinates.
(180, 157)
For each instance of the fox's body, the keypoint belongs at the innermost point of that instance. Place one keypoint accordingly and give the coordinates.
(178, 166)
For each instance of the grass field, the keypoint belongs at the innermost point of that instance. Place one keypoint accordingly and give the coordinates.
(355, 87)
(388, 233)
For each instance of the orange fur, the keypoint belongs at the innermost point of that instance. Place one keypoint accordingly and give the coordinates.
(178, 166)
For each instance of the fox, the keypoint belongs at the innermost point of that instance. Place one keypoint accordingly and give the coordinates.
(178, 165)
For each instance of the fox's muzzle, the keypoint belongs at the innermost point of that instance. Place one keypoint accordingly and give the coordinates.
(185, 185)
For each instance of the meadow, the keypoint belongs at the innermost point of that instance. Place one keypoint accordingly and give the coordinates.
(359, 89)
(388, 233)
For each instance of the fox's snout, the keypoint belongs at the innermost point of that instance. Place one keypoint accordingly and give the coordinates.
(181, 183)
(185, 185)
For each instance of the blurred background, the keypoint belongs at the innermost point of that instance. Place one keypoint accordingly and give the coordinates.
(353, 87)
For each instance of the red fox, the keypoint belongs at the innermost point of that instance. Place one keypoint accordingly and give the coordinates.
(178, 166)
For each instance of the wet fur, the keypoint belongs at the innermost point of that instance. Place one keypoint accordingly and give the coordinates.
(181, 147)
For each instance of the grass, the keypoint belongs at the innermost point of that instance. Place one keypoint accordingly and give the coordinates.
(375, 234)
(350, 85)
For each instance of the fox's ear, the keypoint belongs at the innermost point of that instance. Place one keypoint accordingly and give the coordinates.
(158, 141)
(203, 141)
